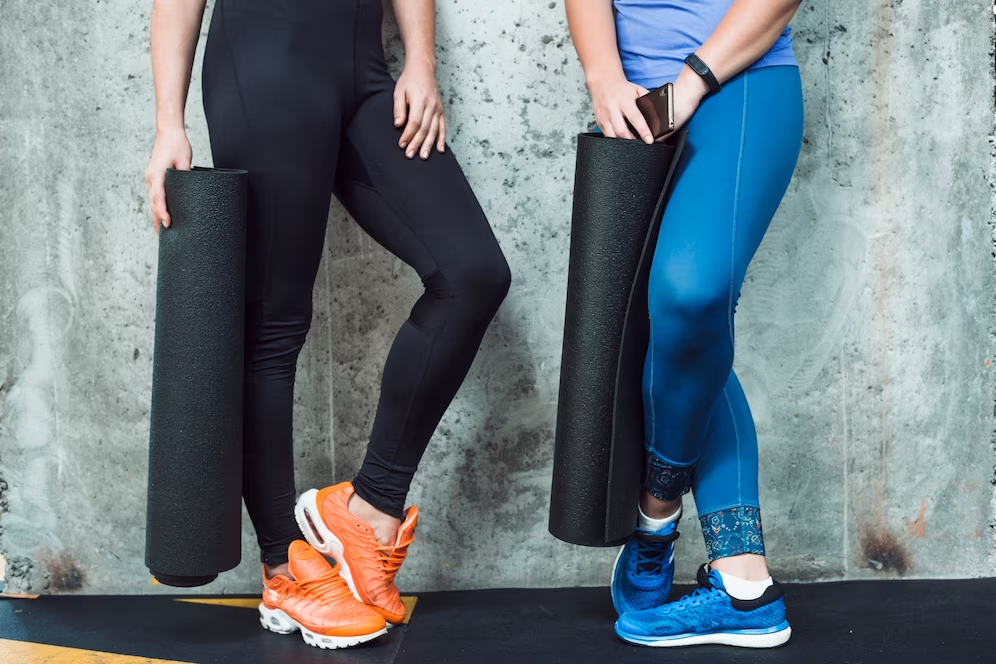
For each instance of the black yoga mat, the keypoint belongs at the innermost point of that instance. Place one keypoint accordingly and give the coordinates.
(620, 188)
(193, 530)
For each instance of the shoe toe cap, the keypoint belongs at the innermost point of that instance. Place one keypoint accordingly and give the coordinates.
(631, 622)
(358, 624)
(394, 614)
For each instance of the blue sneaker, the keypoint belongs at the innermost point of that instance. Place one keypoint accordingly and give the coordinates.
(710, 615)
(644, 569)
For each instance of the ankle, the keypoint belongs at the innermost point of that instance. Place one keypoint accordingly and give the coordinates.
(278, 570)
(655, 508)
(746, 566)
(384, 526)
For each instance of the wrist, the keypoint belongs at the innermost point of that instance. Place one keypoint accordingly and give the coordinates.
(425, 62)
(169, 123)
(691, 84)
(596, 78)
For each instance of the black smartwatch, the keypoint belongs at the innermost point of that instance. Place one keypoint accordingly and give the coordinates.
(702, 69)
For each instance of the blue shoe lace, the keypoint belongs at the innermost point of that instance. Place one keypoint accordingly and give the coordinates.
(651, 552)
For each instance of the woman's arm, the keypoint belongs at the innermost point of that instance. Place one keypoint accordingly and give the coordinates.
(593, 30)
(416, 98)
(175, 27)
(746, 32)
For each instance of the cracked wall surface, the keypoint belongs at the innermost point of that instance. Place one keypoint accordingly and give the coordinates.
(865, 332)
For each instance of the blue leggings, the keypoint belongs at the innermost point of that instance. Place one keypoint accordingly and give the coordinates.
(743, 143)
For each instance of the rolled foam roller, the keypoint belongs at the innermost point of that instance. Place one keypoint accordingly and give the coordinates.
(193, 528)
(620, 189)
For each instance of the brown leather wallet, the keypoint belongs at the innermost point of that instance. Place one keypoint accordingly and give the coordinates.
(657, 107)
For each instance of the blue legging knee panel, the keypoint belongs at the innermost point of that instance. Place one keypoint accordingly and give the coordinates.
(743, 144)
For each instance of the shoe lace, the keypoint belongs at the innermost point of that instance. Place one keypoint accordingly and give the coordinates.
(697, 596)
(391, 557)
(325, 587)
(652, 550)
(700, 594)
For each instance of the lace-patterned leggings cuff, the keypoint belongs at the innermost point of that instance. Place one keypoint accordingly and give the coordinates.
(733, 531)
(667, 482)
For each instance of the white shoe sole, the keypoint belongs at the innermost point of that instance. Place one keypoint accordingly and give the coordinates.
(278, 621)
(740, 639)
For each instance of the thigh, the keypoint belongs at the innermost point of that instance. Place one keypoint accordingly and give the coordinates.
(742, 147)
(424, 212)
(275, 110)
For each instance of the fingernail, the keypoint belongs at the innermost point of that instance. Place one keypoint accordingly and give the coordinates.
(403, 144)
(648, 138)
(411, 153)
(397, 121)
(425, 154)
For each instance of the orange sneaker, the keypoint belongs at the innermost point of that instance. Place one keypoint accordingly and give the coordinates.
(317, 602)
(367, 566)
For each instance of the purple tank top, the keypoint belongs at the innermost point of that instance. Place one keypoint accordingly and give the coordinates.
(655, 37)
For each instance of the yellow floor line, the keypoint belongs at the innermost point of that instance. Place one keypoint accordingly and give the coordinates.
(21, 652)
(252, 603)
(243, 603)
(409, 607)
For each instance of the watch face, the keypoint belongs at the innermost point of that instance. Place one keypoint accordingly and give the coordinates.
(697, 65)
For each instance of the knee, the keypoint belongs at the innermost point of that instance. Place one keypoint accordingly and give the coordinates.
(689, 305)
(273, 342)
(483, 282)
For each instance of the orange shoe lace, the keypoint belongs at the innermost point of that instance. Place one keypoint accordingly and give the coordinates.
(392, 556)
(326, 587)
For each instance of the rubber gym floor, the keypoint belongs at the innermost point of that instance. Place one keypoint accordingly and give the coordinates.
(881, 622)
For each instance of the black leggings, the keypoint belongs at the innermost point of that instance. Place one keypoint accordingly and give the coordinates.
(297, 92)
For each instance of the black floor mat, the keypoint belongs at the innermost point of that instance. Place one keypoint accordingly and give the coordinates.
(892, 622)
(162, 628)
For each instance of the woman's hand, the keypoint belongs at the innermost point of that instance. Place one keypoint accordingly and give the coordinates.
(172, 150)
(615, 103)
(417, 103)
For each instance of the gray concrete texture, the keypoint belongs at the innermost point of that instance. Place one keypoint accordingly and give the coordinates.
(865, 331)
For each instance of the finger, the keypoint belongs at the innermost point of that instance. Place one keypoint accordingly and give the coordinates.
(430, 136)
(635, 117)
(423, 129)
(441, 141)
(400, 107)
(155, 219)
(641, 90)
(415, 112)
(606, 128)
(619, 125)
(159, 202)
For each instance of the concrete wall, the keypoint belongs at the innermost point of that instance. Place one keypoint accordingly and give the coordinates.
(865, 329)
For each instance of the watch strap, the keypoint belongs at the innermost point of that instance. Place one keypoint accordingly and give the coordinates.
(702, 69)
